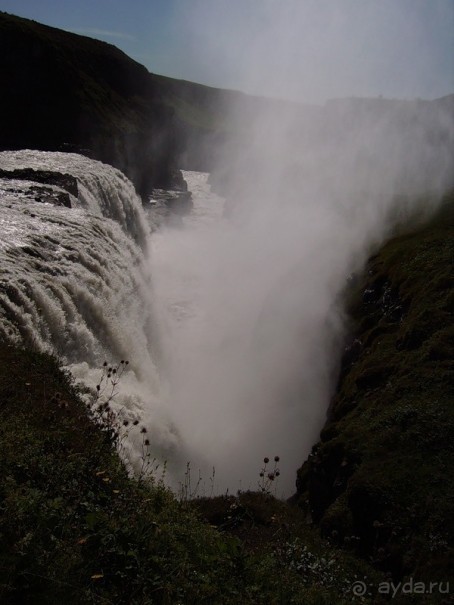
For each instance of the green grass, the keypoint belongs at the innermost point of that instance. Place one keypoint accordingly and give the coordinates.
(75, 528)
(385, 453)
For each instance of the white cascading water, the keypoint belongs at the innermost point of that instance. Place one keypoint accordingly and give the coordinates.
(75, 281)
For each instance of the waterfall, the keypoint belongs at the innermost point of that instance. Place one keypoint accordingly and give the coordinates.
(102, 190)
(75, 281)
(232, 327)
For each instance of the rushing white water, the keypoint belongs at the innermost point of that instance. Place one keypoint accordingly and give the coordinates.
(103, 190)
(75, 281)
(66, 272)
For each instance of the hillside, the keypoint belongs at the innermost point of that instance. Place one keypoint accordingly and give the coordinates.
(62, 91)
(379, 481)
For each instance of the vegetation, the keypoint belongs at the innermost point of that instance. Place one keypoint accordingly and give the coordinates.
(381, 472)
(75, 528)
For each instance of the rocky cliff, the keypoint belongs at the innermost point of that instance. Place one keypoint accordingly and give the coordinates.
(66, 92)
(61, 91)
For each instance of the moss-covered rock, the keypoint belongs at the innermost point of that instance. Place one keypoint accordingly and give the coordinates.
(379, 479)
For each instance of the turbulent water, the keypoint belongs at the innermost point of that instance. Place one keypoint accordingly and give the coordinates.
(75, 281)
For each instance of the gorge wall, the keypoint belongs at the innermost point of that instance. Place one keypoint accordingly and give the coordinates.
(65, 92)
(378, 482)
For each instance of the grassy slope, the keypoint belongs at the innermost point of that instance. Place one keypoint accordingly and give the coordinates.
(382, 471)
(105, 82)
(74, 528)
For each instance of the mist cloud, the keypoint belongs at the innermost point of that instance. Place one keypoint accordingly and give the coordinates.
(252, 368)
(312, 50)
(311, 191)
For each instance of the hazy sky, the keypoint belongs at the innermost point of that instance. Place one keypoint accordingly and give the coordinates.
(304, 49)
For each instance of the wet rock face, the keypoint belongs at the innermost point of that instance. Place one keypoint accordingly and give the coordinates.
(324, 477)
(351, 355)
(46, 177)
(381, 295)
(45, 195)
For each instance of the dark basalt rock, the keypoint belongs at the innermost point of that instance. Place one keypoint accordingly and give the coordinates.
(178, 202)
(169, 205)
(351, 355)
(68, 92)
(324, 477)
(46, 195)
(46, 177)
